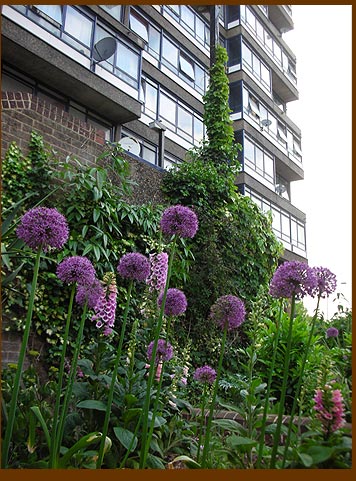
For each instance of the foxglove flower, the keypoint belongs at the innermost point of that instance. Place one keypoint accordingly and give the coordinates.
(159, 268)
(228, 311)
(329, 408)
(105, 308)
(76, 269)
(293, 278)
(134, 266)
(44, 227)
(176, 302)
(326, 281)
(179, 220)
(205, 375)
(164, 351)
(332, 332)
(90, 293)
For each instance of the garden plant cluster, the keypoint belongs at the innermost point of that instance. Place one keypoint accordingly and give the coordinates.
(171, 337)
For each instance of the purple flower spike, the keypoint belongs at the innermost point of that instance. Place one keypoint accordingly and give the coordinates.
(293, 278)
(159, 269)
(134, 266)
(326, 281)
(228, 310)
(44, 227)
(164, 351)
(176, 302)
(89, 293)
(76, 269)
(205, 375)
(332, 332)
(179, 220)
(105, 308)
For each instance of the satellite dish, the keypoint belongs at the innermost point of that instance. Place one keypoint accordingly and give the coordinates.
(266, 122)
(281, 189)
(104, 49)
(130, 145)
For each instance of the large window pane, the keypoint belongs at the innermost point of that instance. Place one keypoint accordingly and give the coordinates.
(185, 121)
(265, 75)
(52, 11)
(151, 98)
(186, 66)
(259, 159)
(78, 26)
(249, 150)
(187, 16)
(269, 170)
(167, 108)
(113, 10)
(127, 63)
(139, 25)
(154, 41)
(170, 52)
(198, 130)
(100, 33)
(246, 54)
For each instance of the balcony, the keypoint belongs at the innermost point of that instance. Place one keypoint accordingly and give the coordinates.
(281, 17)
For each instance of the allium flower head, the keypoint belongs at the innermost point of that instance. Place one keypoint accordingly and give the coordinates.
(228, 310)
(159, 269)
(176, 302)
(326, 281)
(205, 374)
(179, 220)
(332, 332)
(330, 408)
(76, 269)
(293, 278)
(164, 351)
(42, 226)
(105, 308)
(134, 266)
(89, 293)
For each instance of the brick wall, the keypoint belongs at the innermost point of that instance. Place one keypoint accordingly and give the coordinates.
(22, 113)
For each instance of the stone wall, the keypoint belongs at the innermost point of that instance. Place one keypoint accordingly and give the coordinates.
(22, 113)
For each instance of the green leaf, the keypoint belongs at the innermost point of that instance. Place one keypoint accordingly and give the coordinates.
(126, 438)
(83, 442)
(96, 214)
(191, 463)
(227, 424)
(154, 462)
(92, 404)
(306, 459)
(234, 441)
(320, 453)
(131, 414)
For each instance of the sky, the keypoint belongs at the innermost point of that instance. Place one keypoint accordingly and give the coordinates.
(321, 41)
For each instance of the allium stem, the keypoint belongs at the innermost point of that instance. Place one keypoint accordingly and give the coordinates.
(284, 387)
(269, 383)
(146, 440)
(68, 393)
(300, 380)
(60, 378)
(212, 405)
(113, 380)
(202, 417)
(18, 376)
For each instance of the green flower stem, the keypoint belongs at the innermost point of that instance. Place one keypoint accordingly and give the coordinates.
(211, 412)
(132, 353)
(145, 440)
(202, 418)
(60, 377)
(284, 388)
(300, 379)
(113, 380)
(68, 393)
(269, 384)
(18, 376)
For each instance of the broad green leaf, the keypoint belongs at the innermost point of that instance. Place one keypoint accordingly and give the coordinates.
(306, 459)
(126, 438)
(234, 440)
(92, 404)
(191, 463)
(320, 453)
(154, 462)
(38, 414)
(228, 424)
(83, 442)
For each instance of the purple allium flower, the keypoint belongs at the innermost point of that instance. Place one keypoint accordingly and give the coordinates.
(159, 268)
(228, 310)
(76, 269)
(205, 374)
(326, 281)
(179, 220)
(332, 332)
(89, 293)
(105, 308)
(134, 266)
(330, 408)
(44, 227)
(164, 351)
(176, 302)
(293, 278)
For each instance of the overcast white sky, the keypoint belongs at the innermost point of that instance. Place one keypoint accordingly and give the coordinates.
(321, 41)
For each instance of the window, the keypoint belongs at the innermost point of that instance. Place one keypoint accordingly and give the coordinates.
(100, 33)
(139, 25)
(232, 13)
(113, 10)
(235, 101)
(187, 16)
(186, 66)
(190, 21)
(257, 160)
(127, 66)
(170, 52)
(253, 106)
(185, 121)
(234, 51)
(150, 98)
(78, 26)
(167, 109)
(281, 133)
(54, 12)
(297, 148)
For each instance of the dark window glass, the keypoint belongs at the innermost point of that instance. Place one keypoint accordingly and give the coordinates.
(234, 51)
(232, 13)
(235, 100)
